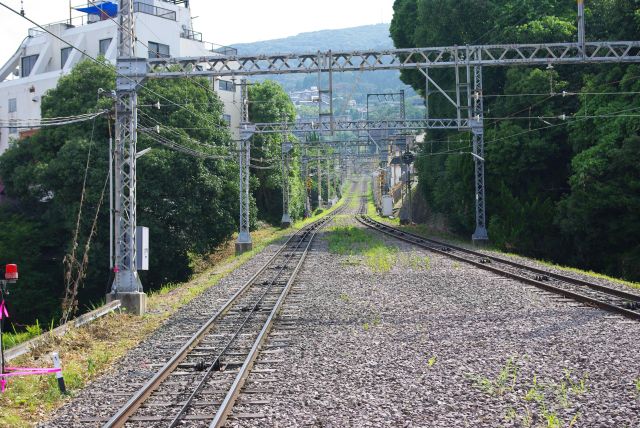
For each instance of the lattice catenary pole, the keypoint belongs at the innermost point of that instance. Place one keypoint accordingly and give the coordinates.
(131, 73)
(244, 154)
(477, 130)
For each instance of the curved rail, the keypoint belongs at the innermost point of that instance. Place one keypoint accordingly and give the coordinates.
(608, 298)
(294, 251)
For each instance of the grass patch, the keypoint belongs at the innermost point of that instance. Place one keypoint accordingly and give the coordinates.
(415, 261)
(542, 402)
(355, 241)
(17, 337)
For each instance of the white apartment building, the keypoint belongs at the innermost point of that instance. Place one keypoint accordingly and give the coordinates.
(164, 26)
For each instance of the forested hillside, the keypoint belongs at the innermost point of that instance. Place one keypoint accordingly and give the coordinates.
(565, 190)
(355, 85)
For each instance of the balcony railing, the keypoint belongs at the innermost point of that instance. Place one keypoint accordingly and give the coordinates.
(212, 47)
(154, 10)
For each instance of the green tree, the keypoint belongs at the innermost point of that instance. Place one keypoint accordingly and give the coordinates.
(268, 102)
(190, 204)
(546, 177)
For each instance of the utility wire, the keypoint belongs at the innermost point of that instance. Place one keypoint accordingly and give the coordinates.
(572, 120)
(180, 148)
(171, 129)
(46, 122)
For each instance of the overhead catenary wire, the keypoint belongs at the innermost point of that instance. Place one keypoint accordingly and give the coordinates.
(180, 148)
(570, 120)
(48, 122)
(156, 124)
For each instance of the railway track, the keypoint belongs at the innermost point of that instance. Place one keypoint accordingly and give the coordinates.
(608, 298)
(199, 385)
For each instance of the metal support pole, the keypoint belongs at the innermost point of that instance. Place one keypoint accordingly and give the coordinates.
(477, 128)
(426, 93)
(110, 203)
(409, 192)
(132, 72)
(244, 153)
(286, 216)
(325, 61)
(581, 30)
(244, 237)
(305, 176)
(328, 174)
(319, 181)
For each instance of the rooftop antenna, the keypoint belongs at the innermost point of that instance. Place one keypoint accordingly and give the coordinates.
(22, 7)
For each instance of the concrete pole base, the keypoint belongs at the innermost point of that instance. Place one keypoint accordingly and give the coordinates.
(133, 303)
(243, 247)
(480, 237)
(285, 222)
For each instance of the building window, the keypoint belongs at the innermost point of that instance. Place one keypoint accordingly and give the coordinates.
(226, 118)
(13, 105)
(225, 85)
(103, 46)
(28, 62)
(158, 50)
(13, 129)
(64, 56)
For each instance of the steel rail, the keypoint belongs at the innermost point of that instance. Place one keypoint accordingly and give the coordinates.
(133, 404)
(444, 249)
(187, 404)
(227, 405)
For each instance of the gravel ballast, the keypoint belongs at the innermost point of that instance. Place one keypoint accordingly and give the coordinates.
(443, 345)
(430, 343)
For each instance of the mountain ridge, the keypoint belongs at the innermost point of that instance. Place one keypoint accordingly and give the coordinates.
(374, 36)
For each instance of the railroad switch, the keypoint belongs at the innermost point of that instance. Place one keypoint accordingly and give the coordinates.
(541, 278)
(485, 261)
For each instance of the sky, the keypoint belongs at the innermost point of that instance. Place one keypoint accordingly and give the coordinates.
(221, 22)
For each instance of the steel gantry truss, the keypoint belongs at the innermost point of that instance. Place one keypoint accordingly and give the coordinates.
(467, 61)
(397, 59)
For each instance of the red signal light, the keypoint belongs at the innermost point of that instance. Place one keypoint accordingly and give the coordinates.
(11, 272)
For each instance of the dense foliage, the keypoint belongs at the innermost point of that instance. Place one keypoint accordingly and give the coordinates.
(190, 204)
(566, 190)
(270, 103)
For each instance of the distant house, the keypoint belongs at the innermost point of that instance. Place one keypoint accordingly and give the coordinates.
(164, 26)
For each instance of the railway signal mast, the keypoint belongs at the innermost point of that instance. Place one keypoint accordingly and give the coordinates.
(467, 63)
